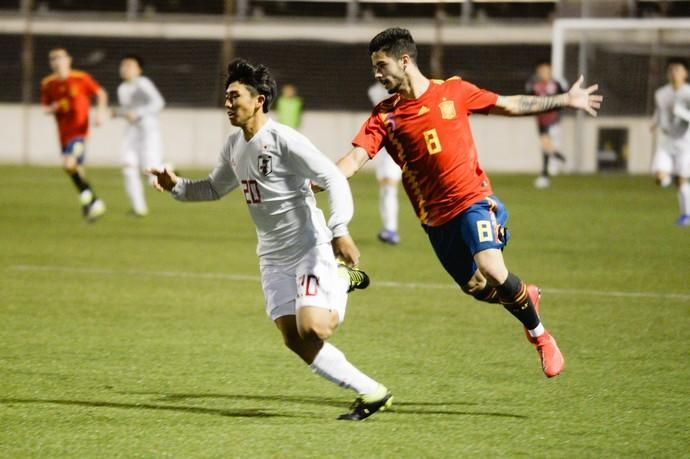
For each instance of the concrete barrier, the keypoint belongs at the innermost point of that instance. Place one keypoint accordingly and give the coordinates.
(193, 137)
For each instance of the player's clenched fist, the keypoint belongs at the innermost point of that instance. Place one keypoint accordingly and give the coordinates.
(165, 179)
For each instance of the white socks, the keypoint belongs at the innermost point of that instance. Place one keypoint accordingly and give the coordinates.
(135, 190)
(331, 364)
(388, 206)
(684, 198)
(538, 331)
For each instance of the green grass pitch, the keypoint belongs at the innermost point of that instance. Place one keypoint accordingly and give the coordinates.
(148, 338)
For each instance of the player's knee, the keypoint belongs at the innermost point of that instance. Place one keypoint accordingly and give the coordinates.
(70, 166)
(476, 285)
(495, 274)
(316, 332)
(311, 330)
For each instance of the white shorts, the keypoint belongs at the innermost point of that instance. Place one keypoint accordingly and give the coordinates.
(141, 147)
(672, 158)
(312, 281)
(386, 167)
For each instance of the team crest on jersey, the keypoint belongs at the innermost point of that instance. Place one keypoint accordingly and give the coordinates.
(265, 163)
(447, 109)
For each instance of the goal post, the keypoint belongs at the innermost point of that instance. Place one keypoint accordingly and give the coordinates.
(564, 29)
(627, 58)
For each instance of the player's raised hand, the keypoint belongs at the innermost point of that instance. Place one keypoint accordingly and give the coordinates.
(584, 98)
(165, 180)
(344, 247)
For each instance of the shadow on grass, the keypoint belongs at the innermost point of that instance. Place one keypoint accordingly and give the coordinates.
(240, 413)
(409, 407)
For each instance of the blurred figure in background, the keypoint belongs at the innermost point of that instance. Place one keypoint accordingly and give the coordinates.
(289, 107)
(388, 175)
(67, 94)
(672, 117)
(542, 83)
(140, 104)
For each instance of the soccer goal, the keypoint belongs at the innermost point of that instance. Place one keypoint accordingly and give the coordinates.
(627, 58)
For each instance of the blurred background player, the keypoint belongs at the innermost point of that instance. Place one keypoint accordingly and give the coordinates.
(289, 106)
(140, 104)
(672, 117)
(542, 83)
(305, 289)
(388, 175)
(67, 93)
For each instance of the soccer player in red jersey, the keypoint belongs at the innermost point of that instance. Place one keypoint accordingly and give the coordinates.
(542, 83)
(424, 126)
(67, 94)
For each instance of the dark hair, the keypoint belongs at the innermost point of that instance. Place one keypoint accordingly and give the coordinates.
(136, 58)
(257, 78)
(677, 61)
(541, 62)
(394, 42)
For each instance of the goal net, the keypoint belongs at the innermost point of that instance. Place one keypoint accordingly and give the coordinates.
(627, 58)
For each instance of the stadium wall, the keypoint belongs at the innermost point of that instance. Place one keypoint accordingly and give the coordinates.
(193, 137)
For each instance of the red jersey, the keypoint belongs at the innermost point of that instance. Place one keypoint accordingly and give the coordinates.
(73, 97)
(430, 139)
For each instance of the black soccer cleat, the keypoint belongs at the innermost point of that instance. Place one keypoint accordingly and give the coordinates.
(357, 279)
(361, 409)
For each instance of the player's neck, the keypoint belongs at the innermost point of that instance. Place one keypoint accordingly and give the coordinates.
(416, 85)
(63, 74)
(254, 125)
(676, 85)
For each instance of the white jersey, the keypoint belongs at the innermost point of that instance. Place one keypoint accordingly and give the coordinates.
(140, 96)
(275, 169)
(672, 107)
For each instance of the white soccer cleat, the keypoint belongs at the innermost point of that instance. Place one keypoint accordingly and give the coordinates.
(96, 211)
(542, 182)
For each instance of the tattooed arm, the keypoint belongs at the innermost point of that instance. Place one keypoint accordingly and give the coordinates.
(576, 97)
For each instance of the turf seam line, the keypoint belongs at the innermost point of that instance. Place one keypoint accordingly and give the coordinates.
(387, 284)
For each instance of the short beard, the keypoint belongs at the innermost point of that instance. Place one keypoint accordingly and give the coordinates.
(394, 89)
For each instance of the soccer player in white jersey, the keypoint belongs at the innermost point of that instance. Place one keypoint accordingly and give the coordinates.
(388, 175)
(140, 104)
(672, 117)
(305, 288)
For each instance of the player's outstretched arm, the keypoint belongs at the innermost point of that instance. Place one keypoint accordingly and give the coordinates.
(165, 180)
(577, 97)
(353, 161)
(348, 165)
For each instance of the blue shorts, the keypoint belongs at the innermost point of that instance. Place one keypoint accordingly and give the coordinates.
(480, 227)
(76, 148)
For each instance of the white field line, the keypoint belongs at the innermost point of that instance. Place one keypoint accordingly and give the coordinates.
(385, 284)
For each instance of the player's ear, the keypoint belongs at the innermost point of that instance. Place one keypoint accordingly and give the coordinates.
(260, 100)
(405, 60)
